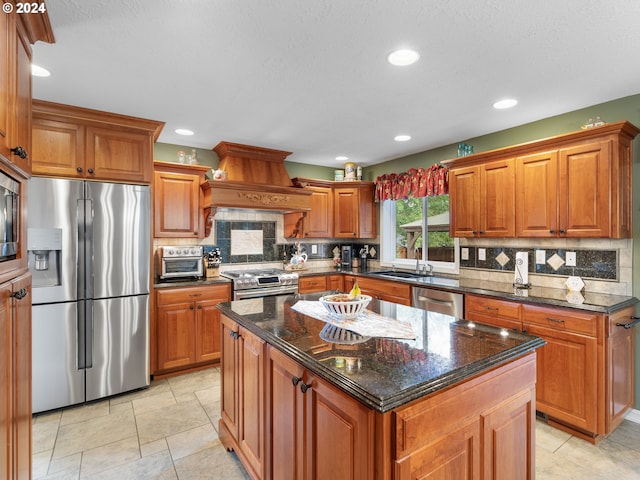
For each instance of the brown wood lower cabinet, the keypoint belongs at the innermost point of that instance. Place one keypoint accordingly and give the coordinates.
(584, 372)
(188, 326)
(15, 378)
(386, 290)
(287, 423)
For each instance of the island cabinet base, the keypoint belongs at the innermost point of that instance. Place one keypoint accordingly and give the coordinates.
(286, 422)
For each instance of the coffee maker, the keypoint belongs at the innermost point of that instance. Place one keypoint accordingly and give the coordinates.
(345, 257)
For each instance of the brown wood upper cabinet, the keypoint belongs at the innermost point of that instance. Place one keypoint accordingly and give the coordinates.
(177, 200)
(88, 144)
(338, 210)
(572, 185)
(484, 200)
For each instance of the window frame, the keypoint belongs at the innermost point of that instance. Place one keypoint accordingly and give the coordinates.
(388, 243)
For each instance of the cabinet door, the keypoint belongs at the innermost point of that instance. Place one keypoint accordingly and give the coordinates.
(345, 219)
(497, 199)
(367, 212)
(583, 190)
(335, 422)
(319, 221)
(464, 192)
(230, 364)
(20, 135)
(335, 282)
(507, 430)
(456, 456)
(207, 330)
(176, 202)
(537, 195)
(620, 373)
(251, 434)
(567, 373)
(57, 148)
(286, 417)
(6, 382)
(175, 330)
(118, 154)
(6, 27)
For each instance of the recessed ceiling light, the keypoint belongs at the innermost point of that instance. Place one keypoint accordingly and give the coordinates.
(183, 131)
(38, 71)
(506, 103)
(403, 57)
(342, 158)
(402, 138)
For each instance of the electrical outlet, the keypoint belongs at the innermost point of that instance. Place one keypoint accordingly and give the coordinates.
(571, 259)
(314, 249)
(482, 254)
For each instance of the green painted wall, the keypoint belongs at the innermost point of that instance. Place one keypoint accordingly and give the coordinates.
(627, 108)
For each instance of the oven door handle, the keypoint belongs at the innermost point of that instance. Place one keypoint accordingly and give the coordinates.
(265, 292)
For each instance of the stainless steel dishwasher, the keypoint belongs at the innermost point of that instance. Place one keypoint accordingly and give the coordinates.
(448, 303)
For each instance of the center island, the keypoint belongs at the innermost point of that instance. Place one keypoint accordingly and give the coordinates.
(301, 400)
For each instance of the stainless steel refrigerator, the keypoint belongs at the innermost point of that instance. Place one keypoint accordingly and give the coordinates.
(89, 255)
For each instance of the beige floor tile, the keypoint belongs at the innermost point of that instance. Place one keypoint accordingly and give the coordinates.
(65, 466)
(154, 467)
(628, 433)
(170, 420)
(212, 463)
(54, 416)
(153, 402)
(192, 441)
(93, 433)
(152, 448)
(192, 382)
(103, 458)
(156, 387)
(550, 438)
(40, 464)
(44, 436)
(85, 412)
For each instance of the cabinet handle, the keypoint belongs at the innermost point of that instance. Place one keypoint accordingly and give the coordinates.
(627, 326)
(304, 387)
(90, 171)
(563, 231)
(552, 231)
(295, 381)
(195, 294)
(20, 294)
(555, 320)
(474, 232)
(233, 334)
(19, 151)
(524, 330)
(487, 307)
(79, 169)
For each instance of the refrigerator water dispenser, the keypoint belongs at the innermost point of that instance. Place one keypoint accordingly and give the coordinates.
(45, 248)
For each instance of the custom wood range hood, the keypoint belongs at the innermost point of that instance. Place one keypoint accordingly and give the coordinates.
(256, 179)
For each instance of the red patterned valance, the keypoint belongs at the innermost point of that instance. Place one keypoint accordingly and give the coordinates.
(417, 182)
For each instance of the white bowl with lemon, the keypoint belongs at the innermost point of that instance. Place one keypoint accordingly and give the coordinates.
(346, 305)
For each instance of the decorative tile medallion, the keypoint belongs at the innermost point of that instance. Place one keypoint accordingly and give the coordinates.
(502, 259)
(555, 261)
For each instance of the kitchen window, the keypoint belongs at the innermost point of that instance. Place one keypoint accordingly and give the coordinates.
(405, 226)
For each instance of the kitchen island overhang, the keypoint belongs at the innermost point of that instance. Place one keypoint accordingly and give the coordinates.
(457, 401)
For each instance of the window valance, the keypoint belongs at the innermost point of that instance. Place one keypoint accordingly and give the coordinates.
(416, 182)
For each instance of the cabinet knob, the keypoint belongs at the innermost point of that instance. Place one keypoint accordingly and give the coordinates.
(233, 334)
(20, 152)
(563, 231)
(552, 231)
(90, 171)
(481, 232)
(190, 307)
(79, 169)
(304, 387)
(199, 307)
(20, 294)
(474, 232)
(295, 381)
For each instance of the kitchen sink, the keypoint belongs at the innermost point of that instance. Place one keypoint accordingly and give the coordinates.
(393, 274)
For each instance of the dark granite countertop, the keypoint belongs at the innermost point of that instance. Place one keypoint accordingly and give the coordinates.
(595, 302)
(383, 373)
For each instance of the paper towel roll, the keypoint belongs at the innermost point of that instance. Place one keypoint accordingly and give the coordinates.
(522, 268)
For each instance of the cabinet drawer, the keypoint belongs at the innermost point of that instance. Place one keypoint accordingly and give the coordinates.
(560, 319)
(169, 296)
(384, 288)
(493, 307)
(316, 283)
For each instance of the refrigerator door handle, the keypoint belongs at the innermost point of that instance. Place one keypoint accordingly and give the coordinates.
(82, 336)
(80, 251)
(88, 247)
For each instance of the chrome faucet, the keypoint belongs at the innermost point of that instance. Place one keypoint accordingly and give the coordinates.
(417, 265)
(429, 273)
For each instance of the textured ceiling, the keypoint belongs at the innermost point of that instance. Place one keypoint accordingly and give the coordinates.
(310, 76)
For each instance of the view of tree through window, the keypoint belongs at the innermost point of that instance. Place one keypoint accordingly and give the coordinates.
(409, 225)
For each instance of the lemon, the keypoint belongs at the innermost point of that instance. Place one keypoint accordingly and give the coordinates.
(355, 291)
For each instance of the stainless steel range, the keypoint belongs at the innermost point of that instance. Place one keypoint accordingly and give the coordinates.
(262, 283)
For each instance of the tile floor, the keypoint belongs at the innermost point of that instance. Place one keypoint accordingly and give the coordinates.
(169, 431)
